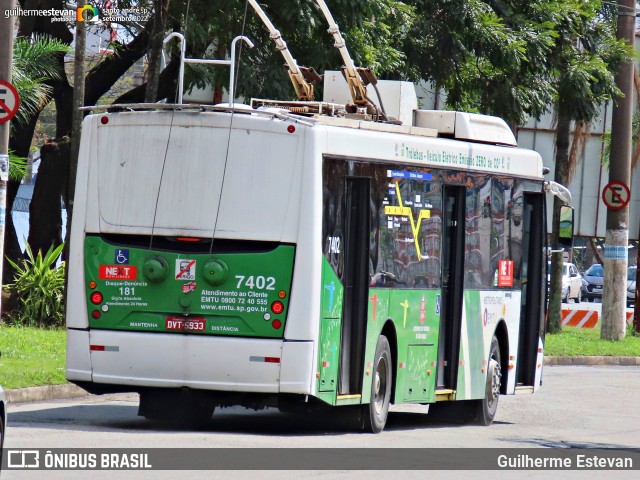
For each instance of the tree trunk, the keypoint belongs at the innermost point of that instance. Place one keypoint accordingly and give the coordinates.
(166, 88)
(596, 253)
(45, 215)
(20, 144)
(561, 176)
(155, 54)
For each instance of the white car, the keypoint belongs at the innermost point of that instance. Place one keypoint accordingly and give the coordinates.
(571, 282)
(632, 278)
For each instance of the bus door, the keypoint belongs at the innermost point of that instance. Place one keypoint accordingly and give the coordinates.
(533, 291)
(452, 285)
(356, 285)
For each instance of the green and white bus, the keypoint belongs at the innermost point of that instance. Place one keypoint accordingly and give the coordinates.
(264, 258)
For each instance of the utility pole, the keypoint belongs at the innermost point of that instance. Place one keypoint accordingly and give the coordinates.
(77, 115)
(6, 64)
(614, 295)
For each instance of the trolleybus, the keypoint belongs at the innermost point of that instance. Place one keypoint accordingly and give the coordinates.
(306, 254)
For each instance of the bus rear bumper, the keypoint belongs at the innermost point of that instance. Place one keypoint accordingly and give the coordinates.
(136, 360)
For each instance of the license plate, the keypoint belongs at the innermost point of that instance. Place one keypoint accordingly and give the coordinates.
(186, 324)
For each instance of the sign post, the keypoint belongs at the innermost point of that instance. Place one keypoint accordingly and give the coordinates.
(9, 103)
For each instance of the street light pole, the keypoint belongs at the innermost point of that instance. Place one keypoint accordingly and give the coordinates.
(6, 64)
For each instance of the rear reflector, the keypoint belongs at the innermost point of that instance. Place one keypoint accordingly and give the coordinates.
(104, 348)
(264, 359)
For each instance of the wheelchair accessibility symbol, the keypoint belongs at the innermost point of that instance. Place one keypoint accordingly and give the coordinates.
(122, 257)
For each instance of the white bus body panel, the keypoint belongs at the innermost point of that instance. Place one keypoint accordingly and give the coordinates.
(76, 310)
(183, 159)
(213, 363)
(78, 357)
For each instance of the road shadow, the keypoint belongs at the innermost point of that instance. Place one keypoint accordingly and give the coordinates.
(124, 418)
(548, 443)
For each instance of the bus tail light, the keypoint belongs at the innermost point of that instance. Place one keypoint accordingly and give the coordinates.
(96, 298)
(92, 284)
(277, 307)
(96, 314)
(276, 324)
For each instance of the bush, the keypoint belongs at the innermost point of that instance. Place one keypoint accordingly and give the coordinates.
(39, 287)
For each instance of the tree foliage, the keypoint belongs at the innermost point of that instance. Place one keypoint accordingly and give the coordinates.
(40, 287)
(511, 58)
(35, 62)
(373, 30)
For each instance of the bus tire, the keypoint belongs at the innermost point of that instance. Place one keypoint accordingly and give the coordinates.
(488, 406)
(375, 413)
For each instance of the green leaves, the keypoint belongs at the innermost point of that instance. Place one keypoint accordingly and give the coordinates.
(34, 63)
(39, 287)
(17, 167)
(515, 59)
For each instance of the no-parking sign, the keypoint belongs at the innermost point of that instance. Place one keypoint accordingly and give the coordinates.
(616, 195)
(9, 101)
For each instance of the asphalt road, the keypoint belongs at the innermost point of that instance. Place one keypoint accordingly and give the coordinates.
(590, 407)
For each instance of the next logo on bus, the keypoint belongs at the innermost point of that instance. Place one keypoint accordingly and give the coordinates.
(114, 272)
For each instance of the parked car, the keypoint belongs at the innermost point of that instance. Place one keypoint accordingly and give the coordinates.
(632, 278)
(595, 280)
(571, 282)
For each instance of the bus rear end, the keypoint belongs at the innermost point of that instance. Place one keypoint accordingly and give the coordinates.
(184, 239)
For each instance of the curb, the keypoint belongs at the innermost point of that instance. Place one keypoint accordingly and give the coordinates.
(46, 392)
(594, 360)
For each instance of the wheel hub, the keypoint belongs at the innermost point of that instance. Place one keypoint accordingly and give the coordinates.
(496, 378)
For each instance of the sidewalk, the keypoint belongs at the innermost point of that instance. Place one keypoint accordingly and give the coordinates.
(61, 392)
(594, 360)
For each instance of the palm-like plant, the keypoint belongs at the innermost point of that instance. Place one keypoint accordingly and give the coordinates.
(17, 166)
(34, 63)
(39, 286)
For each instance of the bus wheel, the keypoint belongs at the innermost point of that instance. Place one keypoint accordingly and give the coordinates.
(488, 406)
(375, 413)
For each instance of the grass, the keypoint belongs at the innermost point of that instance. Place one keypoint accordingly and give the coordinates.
(31, 356)
(35, 356)
(577, 342)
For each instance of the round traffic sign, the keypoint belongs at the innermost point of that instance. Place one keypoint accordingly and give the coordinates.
(9, 101)
(616, 195)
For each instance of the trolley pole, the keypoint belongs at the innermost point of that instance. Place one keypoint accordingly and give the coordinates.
(614, 295)
(6, 64)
